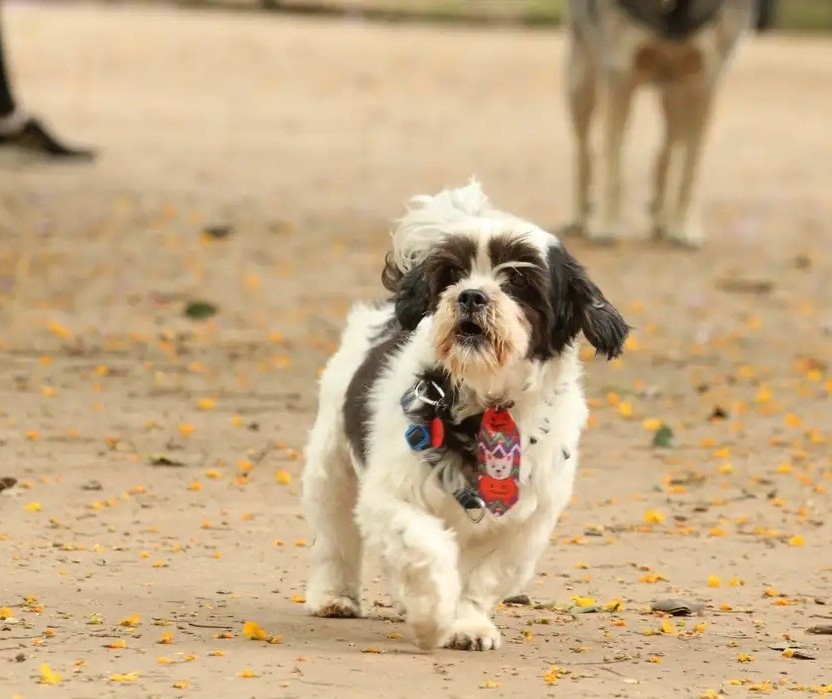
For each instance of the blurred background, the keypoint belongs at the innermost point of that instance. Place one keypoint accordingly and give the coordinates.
(166, 308)
(803, 15)
(173, 300)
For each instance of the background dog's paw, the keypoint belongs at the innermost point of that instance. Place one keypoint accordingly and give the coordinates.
(341, 607)
(474, 634)
(690, 237)
(602, 236)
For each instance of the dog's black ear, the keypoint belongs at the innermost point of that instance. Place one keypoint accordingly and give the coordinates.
(412, 297)
(578, 305)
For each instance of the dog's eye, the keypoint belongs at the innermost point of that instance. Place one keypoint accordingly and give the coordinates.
(452, 275)
(517, 279)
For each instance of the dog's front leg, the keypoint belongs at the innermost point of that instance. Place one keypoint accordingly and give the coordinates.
(618, 92)
(421, 557)
(490, 572)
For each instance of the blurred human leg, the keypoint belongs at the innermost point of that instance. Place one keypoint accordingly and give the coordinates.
(23, 131)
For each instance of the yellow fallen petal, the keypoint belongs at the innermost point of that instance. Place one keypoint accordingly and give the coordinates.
(32, 507)
(553, 674)
(247, 674)
(792, 420)
(49, 676)
(652, 424)
(489, 684)
(125, 677)
(253, 632)
(583, 601)
(283, 477)
(654, 517)
(58, 330)
(745, 658)
(120, 643)
(166, 638)
(206, 404)
(130, 621)
(714, 581)
(797, 540)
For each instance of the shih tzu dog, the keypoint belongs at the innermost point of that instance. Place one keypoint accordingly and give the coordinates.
(446, 439)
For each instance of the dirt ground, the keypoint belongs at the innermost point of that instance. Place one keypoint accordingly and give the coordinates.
(157, 457)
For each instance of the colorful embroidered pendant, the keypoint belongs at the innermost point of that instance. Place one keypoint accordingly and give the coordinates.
(498, 457)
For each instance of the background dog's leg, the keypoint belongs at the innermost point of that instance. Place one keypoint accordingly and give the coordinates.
(683, 226)
(421, 556)
(329, 493)
(673, 107)
(490, 575)
(581, 74)
(618, 92)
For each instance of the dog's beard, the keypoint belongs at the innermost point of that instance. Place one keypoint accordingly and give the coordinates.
(481, 345)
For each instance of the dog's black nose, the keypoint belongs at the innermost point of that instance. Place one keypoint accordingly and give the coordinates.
(473, 299)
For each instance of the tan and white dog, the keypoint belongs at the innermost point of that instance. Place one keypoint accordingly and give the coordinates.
(679, 46)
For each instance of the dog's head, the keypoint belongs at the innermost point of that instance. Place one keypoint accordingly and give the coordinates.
(499, 295)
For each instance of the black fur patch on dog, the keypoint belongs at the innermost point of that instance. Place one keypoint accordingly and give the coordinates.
(674, 20)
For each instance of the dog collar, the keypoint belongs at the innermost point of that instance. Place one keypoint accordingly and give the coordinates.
(495, 485)
(423, 404)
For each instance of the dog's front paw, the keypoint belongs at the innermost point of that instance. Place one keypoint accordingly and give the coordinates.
(334, 607)
(428, 633)
(474, 634)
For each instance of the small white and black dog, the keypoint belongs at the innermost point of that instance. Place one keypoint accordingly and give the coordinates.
(679, 46)
(446, 438)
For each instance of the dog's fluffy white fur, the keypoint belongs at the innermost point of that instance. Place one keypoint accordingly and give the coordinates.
(447, 570)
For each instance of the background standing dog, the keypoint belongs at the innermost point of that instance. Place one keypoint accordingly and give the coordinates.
(681, 47)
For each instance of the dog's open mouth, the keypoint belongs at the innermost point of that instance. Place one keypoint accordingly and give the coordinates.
(469, 331)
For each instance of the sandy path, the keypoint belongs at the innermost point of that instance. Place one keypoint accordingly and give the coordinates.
(306, 138)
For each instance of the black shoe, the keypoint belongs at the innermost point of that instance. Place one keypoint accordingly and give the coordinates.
(32, 136)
